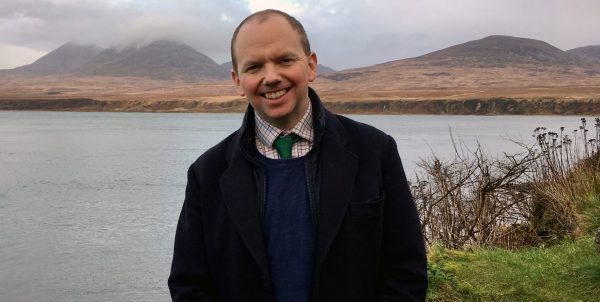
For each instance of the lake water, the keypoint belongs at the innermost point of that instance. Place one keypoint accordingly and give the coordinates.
(89, 201)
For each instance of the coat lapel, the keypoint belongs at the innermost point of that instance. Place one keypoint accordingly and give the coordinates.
(338, 167)
(338, 172)
(241, 199)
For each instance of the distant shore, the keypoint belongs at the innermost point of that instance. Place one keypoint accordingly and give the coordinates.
(494, 106)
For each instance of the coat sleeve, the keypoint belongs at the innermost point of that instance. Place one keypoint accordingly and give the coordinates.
(404, 260)
(190, 279)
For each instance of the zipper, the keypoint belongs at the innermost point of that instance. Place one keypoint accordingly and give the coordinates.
(261, 183)
(311, 200)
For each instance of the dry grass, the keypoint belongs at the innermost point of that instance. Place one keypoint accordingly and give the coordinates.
(548, 193)
(403, 80)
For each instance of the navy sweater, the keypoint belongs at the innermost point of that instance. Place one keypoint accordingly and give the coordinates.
(288, 229)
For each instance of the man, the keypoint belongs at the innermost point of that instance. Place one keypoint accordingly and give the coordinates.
(299, 204)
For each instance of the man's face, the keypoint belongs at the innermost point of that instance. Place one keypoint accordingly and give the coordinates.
(273, 71)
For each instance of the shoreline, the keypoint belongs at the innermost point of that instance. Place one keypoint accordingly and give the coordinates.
(494, 106)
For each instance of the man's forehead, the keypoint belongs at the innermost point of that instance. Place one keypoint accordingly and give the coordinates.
(252, 34)
(258, 21)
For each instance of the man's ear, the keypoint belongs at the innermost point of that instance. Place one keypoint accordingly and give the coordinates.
(236, 81)
(312, 66)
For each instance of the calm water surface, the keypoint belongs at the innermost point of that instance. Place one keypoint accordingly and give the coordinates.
(89, 201)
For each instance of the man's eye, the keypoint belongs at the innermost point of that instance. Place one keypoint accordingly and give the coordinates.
(251, 68)
(286, 61)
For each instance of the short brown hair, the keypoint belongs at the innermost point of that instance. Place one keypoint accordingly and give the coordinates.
(262, 16)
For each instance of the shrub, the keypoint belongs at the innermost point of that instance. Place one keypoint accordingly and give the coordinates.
(545, 193)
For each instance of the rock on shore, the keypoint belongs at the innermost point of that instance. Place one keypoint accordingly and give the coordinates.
(496, 106)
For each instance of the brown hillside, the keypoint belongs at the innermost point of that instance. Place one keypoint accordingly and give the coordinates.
(589, 52)
(494, 75)
(65, 58)
(496, 66)
(161, 60)
(502, 51)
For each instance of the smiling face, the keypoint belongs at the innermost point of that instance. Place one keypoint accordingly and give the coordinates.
(273, 71)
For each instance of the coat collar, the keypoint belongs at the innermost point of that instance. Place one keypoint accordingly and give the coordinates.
(337, 171)
(247, 132)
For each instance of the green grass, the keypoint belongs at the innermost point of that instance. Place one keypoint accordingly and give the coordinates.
(569, 271)
(566, 271)
(590, 212)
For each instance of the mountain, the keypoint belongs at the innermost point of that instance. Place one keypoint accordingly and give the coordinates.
(324, 69)
(227, 65)
(493, 60)
(492, 67)
(160, 60)
(589, 52)
(65, 58)
(502, 51)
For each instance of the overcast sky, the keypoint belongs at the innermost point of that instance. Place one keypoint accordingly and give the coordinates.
(343, 33)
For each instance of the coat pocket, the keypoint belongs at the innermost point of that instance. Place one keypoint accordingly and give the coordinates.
(370, 208)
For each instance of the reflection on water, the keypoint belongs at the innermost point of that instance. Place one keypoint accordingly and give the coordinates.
(89, 201)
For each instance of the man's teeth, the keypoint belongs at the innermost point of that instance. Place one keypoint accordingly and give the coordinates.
(275, 95)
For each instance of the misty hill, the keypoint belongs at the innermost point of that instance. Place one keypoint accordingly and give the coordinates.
(590, 52)
(488, 60)
(502, 51)
(227, 65)
(65, 58)
(324, 69)
(160, 60)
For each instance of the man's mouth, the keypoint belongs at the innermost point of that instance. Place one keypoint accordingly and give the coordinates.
(275, 94)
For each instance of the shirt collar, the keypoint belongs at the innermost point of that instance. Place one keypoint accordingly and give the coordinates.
(267, 133)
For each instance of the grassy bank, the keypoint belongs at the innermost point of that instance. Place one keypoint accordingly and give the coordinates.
(569, 271)
(518, 228)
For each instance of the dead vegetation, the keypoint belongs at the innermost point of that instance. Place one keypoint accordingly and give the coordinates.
(539, 196)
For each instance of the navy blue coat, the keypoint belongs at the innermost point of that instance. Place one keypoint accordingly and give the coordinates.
(369, 245)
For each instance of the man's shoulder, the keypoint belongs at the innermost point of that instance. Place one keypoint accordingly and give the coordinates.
(359, 126)
(216, 156)
(361, 133)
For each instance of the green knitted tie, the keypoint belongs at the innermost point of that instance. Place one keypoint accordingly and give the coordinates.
(283, 145)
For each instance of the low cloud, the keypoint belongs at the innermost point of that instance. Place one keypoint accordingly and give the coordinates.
(41, 26)
(12, 53)
(359, 33)
(345, 33)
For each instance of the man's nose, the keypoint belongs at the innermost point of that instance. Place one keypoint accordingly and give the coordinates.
(272, 76)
